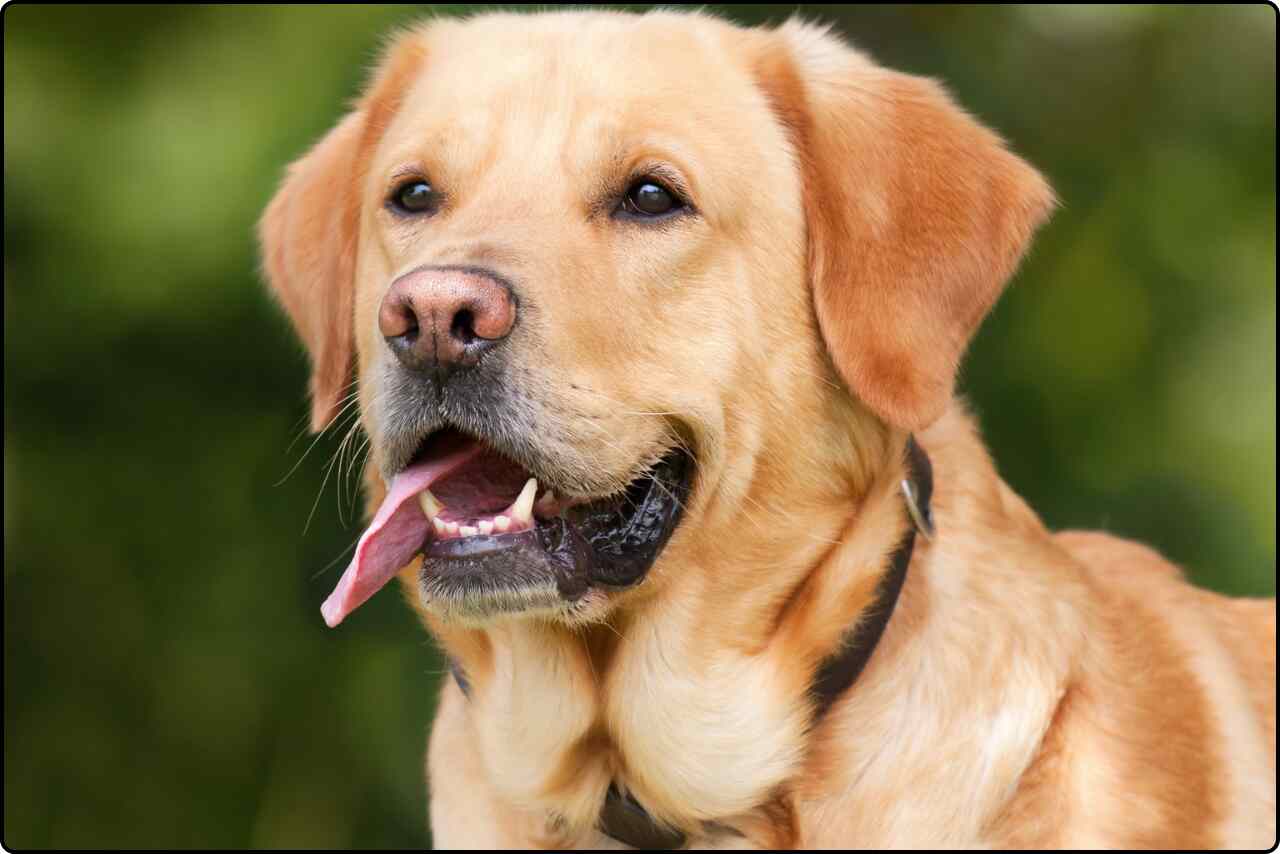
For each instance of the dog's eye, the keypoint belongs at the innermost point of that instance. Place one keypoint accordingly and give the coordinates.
(646, 197)
(413, 197)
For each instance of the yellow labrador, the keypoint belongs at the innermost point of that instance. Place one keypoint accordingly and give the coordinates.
(655, 322)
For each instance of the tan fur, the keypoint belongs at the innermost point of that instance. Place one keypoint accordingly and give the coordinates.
(853, 226)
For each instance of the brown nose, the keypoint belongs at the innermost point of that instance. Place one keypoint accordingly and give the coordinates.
(439, 319)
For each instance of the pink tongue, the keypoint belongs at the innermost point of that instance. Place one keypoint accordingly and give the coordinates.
(395, 535)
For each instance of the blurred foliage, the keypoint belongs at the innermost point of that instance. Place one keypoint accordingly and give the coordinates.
(167, 678)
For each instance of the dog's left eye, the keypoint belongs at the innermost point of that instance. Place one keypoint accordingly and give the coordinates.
(413, 197)
(648, 198)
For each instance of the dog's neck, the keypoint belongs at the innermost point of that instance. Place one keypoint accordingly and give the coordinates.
(625, 819)
(633, 705)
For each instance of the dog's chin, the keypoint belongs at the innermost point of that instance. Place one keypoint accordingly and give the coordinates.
(478, 605)
(567, 562)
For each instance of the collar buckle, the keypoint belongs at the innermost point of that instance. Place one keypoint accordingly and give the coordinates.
(921, 517)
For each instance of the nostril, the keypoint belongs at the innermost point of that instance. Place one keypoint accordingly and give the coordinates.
(411, 329)
(398, 322)
(464, 326)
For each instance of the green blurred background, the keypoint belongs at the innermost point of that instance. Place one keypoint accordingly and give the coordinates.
(167, 678)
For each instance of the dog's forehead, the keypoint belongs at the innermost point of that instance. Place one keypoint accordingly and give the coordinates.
(606, 49)
(528, 84)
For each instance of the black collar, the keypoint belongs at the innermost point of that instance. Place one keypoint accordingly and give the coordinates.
(624, 819)
(842, 668)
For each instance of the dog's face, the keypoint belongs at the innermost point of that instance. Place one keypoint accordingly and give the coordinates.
(606, 278)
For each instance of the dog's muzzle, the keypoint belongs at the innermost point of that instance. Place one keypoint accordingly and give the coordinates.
(493, 542)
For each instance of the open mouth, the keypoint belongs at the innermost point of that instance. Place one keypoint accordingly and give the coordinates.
(494, 540)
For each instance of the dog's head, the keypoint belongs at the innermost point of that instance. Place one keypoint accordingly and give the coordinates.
(603, 278)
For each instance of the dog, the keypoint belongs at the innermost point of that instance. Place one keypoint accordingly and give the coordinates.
(655, 323)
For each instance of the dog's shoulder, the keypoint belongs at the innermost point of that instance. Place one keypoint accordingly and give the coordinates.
(1112, 557)
(1185, 678)
(1170, 692)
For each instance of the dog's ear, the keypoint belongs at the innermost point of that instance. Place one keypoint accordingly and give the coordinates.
(308, 235)
(917, 216)
(310, 231)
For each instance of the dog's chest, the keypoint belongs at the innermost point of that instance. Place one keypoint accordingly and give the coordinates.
(691, 745)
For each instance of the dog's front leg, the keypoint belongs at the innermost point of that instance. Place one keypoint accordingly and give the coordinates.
(463, 811)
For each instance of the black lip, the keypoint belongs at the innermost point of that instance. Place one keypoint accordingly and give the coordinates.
(610, 543)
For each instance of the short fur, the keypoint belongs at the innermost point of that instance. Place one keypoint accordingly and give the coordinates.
(853, 226)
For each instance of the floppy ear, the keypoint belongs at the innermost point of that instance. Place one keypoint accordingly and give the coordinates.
(310, 230)
(916, 215)
(308, 235)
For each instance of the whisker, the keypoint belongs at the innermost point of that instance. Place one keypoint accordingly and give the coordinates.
(356, 468)
(328, 470)
(328, 566)
(300, 426)
(299, 429)
(346, 409)
(591, 665)
(347, 446)
(604, 621)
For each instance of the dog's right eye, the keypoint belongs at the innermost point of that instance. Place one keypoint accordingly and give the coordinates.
(413, 197)
(647, 198)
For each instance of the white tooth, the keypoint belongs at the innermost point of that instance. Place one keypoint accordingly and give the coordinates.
(439, 523)
(501, 523)
(546, 502)
(429, 503)
(467, 531)
(522, 509)
(451, 527)
(486, 527)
